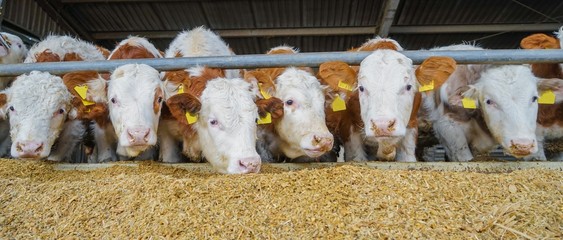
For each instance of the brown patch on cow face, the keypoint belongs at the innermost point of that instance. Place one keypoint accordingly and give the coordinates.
(196, 84)
(3, 99)
(547, 70)
(273, 105)
(437, 69)
(539, 41)
(74, 79)
(131, 52)
(98, 111)
(176, 77)
(157, 102)
(71, 57)
(47, 56)
(281, 51)
(263, 80)
(105, 52)
(413, 122)
(342, 123)
(550, 114)
(379, 45)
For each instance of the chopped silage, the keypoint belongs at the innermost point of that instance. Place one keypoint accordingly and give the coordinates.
(154, 201)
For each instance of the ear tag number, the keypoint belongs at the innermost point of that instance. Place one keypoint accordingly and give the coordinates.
(427, 87)
(82, 90)
(264, 93)
(345, 86)
(468, 103)
(338, 104)
(191, 118)
(547, 97)
(265, 120)
(181, 88)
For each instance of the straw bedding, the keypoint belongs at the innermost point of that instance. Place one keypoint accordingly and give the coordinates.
(154, 201)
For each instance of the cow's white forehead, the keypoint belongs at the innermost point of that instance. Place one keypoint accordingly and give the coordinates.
(136, 79)
(38, 89)
(385, 66)
(230, 100)
(293, 79)
(198, 42)
(508, 78)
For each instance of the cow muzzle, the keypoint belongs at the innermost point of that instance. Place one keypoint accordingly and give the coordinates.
(521, 147)
(249, 165)
(384, 127)
(138, 136)
(320, 143)
(29, 149)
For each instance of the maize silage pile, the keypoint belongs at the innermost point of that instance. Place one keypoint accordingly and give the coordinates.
(155, 201)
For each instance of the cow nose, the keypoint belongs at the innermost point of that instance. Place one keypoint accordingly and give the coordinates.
(249, 165)
(522, 146)
(323, 142)
(138, 135)
(384, 126)
(29, 149)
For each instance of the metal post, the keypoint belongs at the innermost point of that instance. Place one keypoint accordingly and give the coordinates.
(2, 9)
(282, 60)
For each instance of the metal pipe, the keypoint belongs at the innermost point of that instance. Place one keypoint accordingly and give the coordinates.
(282, 60)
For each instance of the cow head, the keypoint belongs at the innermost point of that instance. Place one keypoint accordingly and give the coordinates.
(89, 101)
(135, 100)
(37, 105)
(224, 117)
(12, 49)
(387, 86)
(507, 97)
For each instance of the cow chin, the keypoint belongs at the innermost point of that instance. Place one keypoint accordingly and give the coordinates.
(132, 151)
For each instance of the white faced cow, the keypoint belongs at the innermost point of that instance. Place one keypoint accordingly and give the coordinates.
(481, 106)
(198, 42)
(381, 107)
(550, 113)
(218, 117)
(301, 130)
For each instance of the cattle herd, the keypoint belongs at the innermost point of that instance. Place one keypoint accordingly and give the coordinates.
(236, 119)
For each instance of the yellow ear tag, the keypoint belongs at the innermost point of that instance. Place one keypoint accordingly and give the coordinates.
(427, 87)
(468, 103)
(264, 93)
(547, 97)
(181, 88)
(82, 90)
(345, 86)
(338, 104)
(265, 120)
(192, 118)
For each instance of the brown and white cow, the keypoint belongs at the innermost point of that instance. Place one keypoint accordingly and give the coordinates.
(134, 98)
(12, 50)
(301, 131)
(550, 114)
(482, 106)
(381, 101)
(198, 42)
(52, 114)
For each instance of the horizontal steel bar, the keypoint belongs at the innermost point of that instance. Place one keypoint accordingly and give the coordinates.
(282, 60)
(488, 167)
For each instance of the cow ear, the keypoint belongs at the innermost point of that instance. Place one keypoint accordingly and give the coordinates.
(539, 41)
(183, 103)
(261, 82)
(465, 96)
(339, 76)
(554, 85)
(3, 105)
(434, 71)
(273, 105)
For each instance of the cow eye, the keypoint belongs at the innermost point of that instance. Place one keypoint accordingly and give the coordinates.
(409, 87)
(256, 120)
(61, 111)
(535, 98)
(289, 102)
(489, 102)
(213, 122)
(361, 88)
(113, 100)
(11, 108)
(159, 99)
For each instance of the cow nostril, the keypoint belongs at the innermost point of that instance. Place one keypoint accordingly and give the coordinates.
(392, 124)
(19, 147)
(146, 137)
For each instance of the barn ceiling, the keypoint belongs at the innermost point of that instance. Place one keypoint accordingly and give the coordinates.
(253, 26)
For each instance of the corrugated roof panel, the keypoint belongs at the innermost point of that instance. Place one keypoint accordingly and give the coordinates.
(440, 12)
(181, 15)
(27, 15)
(276, 14)
(228, 14)
(118, 16)
(245, 45)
